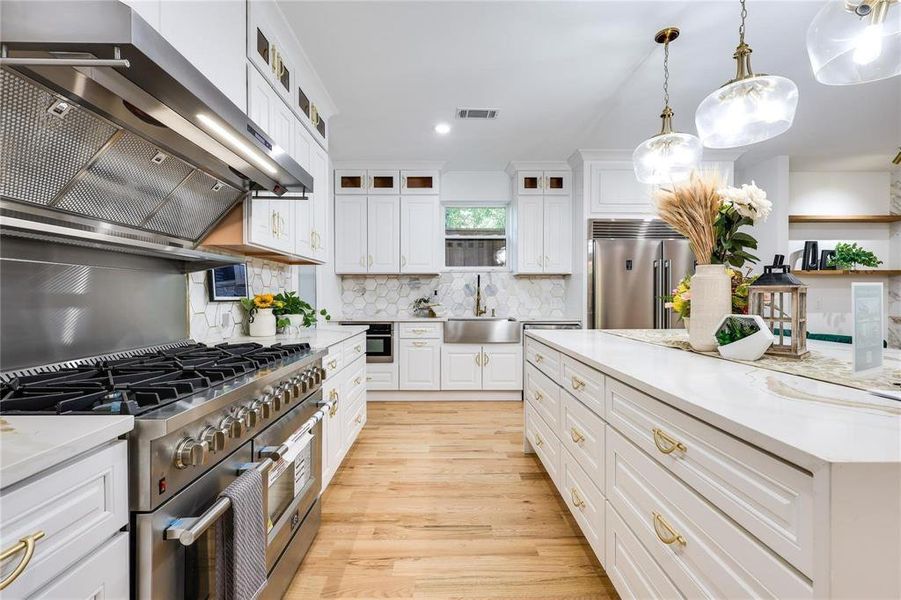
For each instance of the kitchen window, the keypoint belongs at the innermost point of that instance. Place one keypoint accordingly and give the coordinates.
(475, 237)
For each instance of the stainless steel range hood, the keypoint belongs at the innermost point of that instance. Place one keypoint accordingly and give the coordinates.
(106, 128)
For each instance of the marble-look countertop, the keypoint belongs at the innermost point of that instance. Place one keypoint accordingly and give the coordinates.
(444, 318)
(804, 421)
(319, 337)
(31, 444)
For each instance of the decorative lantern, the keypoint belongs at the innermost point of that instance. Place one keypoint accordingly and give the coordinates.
(780, 299)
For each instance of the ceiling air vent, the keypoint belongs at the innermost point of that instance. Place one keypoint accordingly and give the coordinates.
(477, 113)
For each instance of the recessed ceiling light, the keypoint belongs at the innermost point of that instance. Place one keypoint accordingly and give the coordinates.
(442, 128)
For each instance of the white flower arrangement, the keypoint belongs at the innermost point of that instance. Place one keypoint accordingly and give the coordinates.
(748, 201)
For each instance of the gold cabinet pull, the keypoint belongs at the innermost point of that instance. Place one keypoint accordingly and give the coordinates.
(577, 383)
(539, 396)
(370, 260)
(358, 348)
(576, 435)
(333, 394)
(577, 500)
(668, 535)
(358, 380)
(334, 409)
(420, 330)
(403, 260)
(484, 359)
(362, 261)
(333, 364)
(369, 378)
(478, 360)
(420, 344)
(666, 443)
(27, 544)
(359, 419)
(538, 358)
(538, 440)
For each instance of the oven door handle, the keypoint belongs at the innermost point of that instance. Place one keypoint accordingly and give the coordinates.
(275, 453)
(188, 530)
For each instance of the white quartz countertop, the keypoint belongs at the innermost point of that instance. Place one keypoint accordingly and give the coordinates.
(31, 444)
(802, 420)
(318, 338)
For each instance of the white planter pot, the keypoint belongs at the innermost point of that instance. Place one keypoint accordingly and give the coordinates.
(711, 300)
(295, 320)
(263, 323)
(751, 347)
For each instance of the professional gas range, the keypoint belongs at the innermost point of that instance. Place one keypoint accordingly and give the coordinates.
(203, 414)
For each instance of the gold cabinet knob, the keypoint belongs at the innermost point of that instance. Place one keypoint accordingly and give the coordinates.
(538, 440)
(576, 435)
(538, 358)
(577, 499)
(577, 383)
(666, 443)
(665, 532)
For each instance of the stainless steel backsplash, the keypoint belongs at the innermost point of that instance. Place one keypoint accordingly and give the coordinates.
(61, 302)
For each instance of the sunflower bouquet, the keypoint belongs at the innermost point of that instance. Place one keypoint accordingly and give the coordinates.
(260, 302)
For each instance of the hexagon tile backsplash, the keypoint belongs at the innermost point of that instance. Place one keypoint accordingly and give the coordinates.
(390, 296)
(217, 321)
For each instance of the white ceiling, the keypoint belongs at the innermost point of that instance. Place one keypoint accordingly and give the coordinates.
(567, 76)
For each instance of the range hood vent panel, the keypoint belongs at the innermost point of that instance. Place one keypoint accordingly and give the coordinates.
(42, 153)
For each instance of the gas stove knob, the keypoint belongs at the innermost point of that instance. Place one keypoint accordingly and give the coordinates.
(256, 409)
(243, 415)
(267, 406)
(297, 386)
(287, 392)
(316, 375)
(214, 438)
(190, 453)
(254, 414)
(234, 427)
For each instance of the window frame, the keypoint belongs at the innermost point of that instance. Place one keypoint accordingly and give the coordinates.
(445, 206)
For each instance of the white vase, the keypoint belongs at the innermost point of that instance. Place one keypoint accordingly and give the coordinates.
(296, 320)
(711, 300)
(262, 323)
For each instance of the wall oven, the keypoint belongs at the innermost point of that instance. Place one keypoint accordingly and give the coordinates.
(379, 341)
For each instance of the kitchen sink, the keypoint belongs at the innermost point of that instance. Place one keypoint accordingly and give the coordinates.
(482, 330)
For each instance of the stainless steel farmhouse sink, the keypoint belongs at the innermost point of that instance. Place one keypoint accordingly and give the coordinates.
(482, 330)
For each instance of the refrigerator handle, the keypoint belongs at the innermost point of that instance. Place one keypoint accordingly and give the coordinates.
(667, 286)
(658, 303)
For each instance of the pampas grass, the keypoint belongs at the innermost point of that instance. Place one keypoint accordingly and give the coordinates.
(691, 209)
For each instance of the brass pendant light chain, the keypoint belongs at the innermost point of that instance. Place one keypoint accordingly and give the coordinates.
(665, 36)
(742, 54)
(666, 74)
(741, 28)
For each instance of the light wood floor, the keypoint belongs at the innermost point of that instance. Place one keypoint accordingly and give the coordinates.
(437, 500)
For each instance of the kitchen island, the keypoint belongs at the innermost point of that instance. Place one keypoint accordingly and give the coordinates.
(716, 478)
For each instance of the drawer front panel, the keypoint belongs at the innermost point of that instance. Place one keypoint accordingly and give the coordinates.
(103, 575)
(354, 348)
(583, 433)
(381, 380)
(356, 378)
(704, 553)
(630, 566)
(544, 395)
(334, 360)
(585, 502)
(771, 499)
(77, 507)
(584, 383)
(545, 358)
(421, 330)
(545, 443)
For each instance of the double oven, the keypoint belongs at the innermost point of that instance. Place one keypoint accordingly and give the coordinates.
(176, 544)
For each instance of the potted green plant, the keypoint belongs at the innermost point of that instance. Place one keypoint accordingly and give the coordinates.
(296, 312)
(743, 337)
(850, 256)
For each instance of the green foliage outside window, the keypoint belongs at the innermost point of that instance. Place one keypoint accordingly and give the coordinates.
(476, 220)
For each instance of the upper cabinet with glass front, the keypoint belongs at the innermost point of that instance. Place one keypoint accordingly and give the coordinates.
(419, 182)
(386, 181)
(543, 182)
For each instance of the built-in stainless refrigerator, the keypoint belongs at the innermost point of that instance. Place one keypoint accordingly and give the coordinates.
(632, 265)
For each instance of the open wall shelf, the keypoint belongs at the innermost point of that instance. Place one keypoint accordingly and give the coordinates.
(843, 218)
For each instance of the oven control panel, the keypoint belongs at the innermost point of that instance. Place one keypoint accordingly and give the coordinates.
(180, 457)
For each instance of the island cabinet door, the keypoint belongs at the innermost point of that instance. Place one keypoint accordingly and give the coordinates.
(461, 367)
(502, 367)
(420, 364)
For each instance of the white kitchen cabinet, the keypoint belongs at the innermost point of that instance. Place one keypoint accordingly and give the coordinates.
(557, 255)
(303, 228)
(420, 234)
(258, 217)
(303, 144)
(419, 364)
(211, 36)
(102, 574)
(481, 367)
(461, 367)
(501, 367)
(351, 251)
(350, 181)
(530, 234)
(281, 220)
(383, 182)
(419, 182)
(383, 216)
(543, 182)
(321, 202)
(260, 100)
(614, 190)
(544, 228)
(270, 47)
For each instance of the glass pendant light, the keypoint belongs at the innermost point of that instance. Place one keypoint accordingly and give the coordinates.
(750, 108)
(853, 42)
(668, 156)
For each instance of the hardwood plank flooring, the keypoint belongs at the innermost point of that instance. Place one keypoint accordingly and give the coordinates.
(437, 500)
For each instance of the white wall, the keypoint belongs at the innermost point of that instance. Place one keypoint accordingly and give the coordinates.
(840, 192)
(476, 186)
(773, 177)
